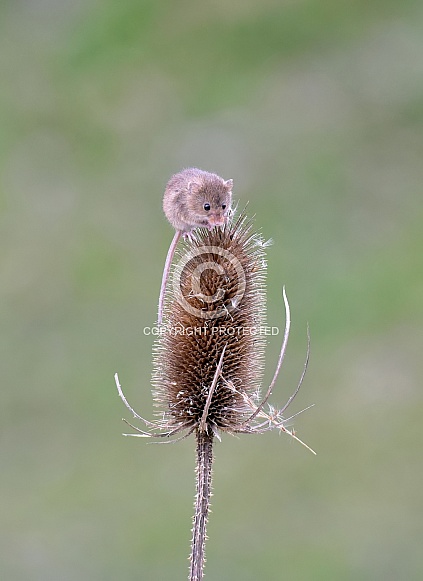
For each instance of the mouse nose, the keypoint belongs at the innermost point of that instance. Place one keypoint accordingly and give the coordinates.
(216, 220)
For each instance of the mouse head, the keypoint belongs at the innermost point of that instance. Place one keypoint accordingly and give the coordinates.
(209, 199)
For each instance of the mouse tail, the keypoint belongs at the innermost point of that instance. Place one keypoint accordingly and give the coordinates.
(166, 271)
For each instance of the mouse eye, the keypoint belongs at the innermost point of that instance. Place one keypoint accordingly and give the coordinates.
(223, 206)
(206, 207)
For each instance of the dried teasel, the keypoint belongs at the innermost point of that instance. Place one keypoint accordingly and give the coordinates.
(209, 356)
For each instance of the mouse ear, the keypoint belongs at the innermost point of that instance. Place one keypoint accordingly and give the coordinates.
(229, 184)
(193, 186)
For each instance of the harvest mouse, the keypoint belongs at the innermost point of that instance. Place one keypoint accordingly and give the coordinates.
(193, 198)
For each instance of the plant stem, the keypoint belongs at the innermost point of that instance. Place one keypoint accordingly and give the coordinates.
(202, 504)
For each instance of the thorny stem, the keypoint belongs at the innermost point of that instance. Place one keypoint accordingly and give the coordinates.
(202, 504)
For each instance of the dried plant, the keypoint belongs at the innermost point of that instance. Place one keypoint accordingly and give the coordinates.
(209, 357)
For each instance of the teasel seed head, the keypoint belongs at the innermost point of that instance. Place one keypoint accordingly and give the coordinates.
(214, 315)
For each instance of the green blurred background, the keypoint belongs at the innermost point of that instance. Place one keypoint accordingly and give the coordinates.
(315, 109)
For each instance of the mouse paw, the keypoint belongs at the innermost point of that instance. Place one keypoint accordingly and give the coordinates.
(188, 236)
